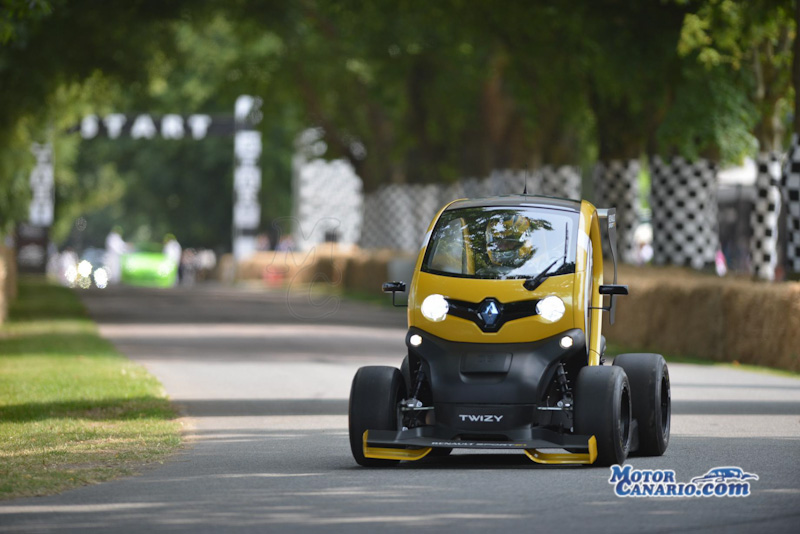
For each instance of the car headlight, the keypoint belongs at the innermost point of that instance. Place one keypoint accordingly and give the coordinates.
(551, 308)
(71, 275)
(84, 268)
(101, 278)
(434, 308)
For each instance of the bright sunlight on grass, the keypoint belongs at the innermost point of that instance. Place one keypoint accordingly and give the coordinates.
(73, 411)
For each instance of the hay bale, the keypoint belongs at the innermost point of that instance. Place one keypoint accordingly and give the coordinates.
(366, 271)
(677, 311)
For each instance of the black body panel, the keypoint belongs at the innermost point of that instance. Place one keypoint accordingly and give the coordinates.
(493, 391)
(491, 373)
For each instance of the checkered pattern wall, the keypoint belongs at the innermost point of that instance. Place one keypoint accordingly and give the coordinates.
(791, 196)
(764, 217)
(328, 200)
(507, 182)
(616, 185)
(564, 181)
(397, 216)
(684, 204)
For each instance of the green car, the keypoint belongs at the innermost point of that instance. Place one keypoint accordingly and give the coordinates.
(148, 266)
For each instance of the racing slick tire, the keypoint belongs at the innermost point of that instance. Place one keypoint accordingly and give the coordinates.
(405, 370)
(652, 405)
(603, 409)
(374, 397)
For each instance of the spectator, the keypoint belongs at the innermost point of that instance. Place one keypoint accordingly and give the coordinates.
(286, 244)
(262, 242)
(173, 252)
(115, 248)
(189, 267)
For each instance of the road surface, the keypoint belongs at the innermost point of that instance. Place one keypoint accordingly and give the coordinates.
(264, 380)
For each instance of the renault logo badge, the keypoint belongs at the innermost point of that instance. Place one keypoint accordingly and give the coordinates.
(489, 313)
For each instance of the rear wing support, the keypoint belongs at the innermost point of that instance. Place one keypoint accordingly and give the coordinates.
(609, 215)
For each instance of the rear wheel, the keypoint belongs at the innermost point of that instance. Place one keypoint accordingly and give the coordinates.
(603, 409)
(652, 405)
(374, 398)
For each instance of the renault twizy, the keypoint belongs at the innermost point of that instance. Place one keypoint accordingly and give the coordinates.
(505, 349)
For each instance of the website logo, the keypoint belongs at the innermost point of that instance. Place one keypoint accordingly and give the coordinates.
(717, 482)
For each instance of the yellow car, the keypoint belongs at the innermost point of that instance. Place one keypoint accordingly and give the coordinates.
(505, 349)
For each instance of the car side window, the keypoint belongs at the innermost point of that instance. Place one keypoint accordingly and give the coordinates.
(450, 254)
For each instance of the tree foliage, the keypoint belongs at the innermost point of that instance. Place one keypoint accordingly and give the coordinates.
(407, 91)
(739, 56)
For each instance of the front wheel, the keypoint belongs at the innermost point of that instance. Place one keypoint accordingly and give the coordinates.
(603, 409)
(652, 403)
(374, 397)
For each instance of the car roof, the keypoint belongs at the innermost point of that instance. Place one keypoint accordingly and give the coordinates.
(533, 201)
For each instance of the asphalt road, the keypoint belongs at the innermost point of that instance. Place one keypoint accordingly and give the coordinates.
(264, 379)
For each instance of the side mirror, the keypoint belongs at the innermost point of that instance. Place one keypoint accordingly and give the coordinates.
(395, 287)
(392, 287)
(613, 289)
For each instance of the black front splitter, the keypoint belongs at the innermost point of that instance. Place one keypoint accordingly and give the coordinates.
(531, 438)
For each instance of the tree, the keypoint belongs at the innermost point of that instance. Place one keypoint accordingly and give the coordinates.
(736, 87)
(50, 47)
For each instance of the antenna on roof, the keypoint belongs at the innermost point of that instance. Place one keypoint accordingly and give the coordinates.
(525, 189)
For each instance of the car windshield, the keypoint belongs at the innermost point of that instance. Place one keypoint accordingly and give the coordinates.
(502, 243)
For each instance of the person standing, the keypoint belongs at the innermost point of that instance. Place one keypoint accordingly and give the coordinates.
(115, 248)
(173, 252)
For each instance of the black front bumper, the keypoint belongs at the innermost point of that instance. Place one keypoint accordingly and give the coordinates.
(490, 396)
(492, 388)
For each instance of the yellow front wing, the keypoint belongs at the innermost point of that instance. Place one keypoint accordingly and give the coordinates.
(385, 453)
(564, 458)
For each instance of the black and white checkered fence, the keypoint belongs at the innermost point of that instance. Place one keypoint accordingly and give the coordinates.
(392, 216)
(328, 202)
(563, 181)
(684, 205)
(791, 197)
(616, 185)
(377, 228)
(764, 217)
(397, 216)
(467, 188)
(508, 182)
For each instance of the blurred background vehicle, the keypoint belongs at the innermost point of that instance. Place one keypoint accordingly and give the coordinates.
(147, 265)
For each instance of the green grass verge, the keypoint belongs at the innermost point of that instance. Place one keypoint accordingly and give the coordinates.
(73, 411)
